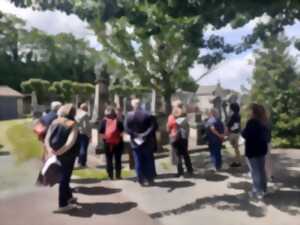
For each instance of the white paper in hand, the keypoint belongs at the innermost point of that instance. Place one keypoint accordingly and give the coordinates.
(49, 162)
(139, 141)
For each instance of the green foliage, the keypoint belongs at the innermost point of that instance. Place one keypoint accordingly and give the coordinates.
(34, 54)
(98, 174)
(40, 87)
(158, 41)
(276, 84)
(66, 90)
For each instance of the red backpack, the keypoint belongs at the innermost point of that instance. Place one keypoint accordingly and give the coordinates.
(112, 134)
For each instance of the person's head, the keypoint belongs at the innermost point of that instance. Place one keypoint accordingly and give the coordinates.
(55, 106)
(213, 113)
(67, 111)
(177, 112)
(135, 103)
(259, 112)
(84, 107)
(234, 107)
(110, 112)
(177, 103)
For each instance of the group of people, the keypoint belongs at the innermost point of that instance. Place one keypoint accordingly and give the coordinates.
(66, 135)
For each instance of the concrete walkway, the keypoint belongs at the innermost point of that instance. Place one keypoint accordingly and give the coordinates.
(207, 198)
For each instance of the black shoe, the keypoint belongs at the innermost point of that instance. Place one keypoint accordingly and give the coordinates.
(190, 174)
(235, 164)
(178, 174)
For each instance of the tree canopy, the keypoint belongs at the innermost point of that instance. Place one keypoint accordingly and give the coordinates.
(276, 83)
(26, 54)
(157, 41)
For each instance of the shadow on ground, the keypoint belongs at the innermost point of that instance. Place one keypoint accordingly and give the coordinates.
(85, 181)
(174, 184)
(211, 176)
(97, 190)
(4, 153)
(103, 208)
(286, 198)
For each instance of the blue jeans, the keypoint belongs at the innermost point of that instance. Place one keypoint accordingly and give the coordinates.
(144, 165)
(83, 143)
(258, 174)
(215, 154)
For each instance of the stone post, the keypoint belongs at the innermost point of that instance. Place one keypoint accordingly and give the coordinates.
(100, 101)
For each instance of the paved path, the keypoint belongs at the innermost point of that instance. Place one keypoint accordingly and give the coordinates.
(207, 198)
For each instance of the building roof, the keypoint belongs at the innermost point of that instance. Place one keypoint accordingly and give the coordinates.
(206, 89)
(6, 91)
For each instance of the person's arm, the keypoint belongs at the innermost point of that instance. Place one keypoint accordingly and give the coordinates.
(121, 128)
(149, 130)
(127, 127)
(214, 131)
(168, 125)
(247, 132)
(101, 130)
(72, 138)
(47, 141)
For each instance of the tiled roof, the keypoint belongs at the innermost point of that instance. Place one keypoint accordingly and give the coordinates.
(6, 91)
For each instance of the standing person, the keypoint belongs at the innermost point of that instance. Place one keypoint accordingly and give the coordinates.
(178, 129)
(256, 147)
(140, 127)
(49, 117)
(41, 127)
(62, 141)
(215, 136)
(233, 130)
(111, 131)
(83, 121)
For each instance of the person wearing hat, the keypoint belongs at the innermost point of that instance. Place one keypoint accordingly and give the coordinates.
(62, 141)
(178, 129)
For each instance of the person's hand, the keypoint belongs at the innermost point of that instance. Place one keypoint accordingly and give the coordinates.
(222, 137)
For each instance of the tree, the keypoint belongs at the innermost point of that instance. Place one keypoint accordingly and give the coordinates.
(40, 87)
(276, 83)
(26, 54)
(158, 41)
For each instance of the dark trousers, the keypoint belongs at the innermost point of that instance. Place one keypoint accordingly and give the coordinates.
(113, 152)
(65, 192)
(258, 174)
(144, 163)
(83, 146)
(215, 154)
(181, 149)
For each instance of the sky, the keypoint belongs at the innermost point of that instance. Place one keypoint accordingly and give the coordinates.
(233, 72)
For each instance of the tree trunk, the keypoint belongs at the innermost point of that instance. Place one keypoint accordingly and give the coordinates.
(167, 100)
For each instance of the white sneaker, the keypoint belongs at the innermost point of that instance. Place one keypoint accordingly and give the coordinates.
(66, 208)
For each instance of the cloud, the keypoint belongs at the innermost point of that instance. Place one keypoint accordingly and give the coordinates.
(53, 22)
(232, 73)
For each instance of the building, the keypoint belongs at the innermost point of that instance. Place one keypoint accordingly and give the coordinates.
(214, 96)
(11, 103)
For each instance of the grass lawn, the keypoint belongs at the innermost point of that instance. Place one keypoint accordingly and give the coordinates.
(99, 174)
(19, 138)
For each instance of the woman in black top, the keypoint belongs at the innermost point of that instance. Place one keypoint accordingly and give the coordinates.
(256, 146)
